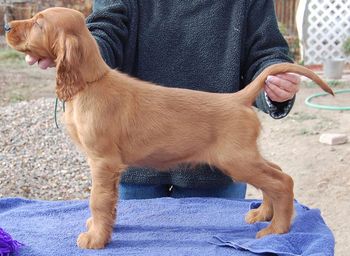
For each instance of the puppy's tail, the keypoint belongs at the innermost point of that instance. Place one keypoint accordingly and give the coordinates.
(248, 95)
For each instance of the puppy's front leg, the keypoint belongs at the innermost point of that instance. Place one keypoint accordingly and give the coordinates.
(104, 195)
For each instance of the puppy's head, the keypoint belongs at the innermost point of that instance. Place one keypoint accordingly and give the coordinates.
(55, 33)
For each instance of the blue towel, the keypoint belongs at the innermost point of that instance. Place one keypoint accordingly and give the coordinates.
(164, 226)
(309, 235)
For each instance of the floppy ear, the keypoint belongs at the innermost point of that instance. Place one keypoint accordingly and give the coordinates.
(69, 80)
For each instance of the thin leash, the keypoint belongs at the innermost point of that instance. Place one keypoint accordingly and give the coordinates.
(56, 107)
(63, 102)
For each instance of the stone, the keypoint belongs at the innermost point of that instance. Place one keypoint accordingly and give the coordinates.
(333, 138)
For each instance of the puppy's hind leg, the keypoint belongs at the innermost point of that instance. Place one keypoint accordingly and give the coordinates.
(276, 186)
(265, 211)
(105, 174)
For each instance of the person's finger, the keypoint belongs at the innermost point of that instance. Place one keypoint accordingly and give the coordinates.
(291, 77)
(271, 94)
(283, 84)
(30, 60)
(278, 94)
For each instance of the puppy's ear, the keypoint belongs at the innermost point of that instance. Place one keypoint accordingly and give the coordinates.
(69, 80)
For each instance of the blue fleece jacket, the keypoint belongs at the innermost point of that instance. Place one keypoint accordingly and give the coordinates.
(213, 46)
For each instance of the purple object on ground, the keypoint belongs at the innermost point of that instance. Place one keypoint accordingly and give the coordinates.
(7, 244)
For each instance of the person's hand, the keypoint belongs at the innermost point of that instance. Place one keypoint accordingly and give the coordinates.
(42, 63)
(282, 87)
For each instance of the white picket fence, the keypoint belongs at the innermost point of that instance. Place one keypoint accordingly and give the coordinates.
(323, 25)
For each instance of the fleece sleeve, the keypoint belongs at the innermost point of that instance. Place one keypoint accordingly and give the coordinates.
(264, 46)
(109, 24)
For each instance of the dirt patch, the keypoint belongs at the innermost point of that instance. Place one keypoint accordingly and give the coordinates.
(18, 81)
(321, 172)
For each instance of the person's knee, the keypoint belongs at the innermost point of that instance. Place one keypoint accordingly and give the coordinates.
(135, 191)
(231, 191)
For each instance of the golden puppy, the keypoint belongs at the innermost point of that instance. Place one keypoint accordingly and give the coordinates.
(119, 121)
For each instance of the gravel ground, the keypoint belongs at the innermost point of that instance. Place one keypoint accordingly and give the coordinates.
(37, 160)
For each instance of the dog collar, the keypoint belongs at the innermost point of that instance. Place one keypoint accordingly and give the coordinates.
(98, 79)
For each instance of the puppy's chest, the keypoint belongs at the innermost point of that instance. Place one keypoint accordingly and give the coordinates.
(71, 125)
(71, 128)
(80, 125)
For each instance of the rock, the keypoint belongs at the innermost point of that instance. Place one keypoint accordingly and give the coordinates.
(333, 138)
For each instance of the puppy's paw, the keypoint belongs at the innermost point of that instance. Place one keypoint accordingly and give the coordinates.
(271, 230)
(260, 214)
(91, 241)
(89, 223)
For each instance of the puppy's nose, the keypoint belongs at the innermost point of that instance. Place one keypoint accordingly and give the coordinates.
(7, 27)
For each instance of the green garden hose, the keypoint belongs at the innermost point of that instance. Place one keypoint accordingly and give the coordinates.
(318, 106)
